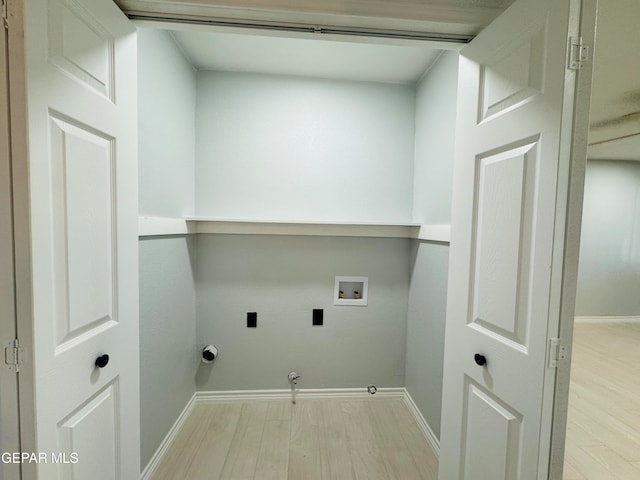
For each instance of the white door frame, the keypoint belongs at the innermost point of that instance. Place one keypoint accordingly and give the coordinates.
(563, 284)
(21, 229)
(9, 411)
(569, 215)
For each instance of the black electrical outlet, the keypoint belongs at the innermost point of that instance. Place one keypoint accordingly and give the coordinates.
(252, 319)
(318, 315)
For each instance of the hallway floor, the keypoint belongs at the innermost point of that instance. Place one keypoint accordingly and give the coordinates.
(603, 434)
(371, 439)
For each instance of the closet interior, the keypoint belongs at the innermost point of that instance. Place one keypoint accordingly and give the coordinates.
(269, 166)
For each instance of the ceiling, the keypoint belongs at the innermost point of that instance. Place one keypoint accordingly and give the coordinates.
(626, 148)
(615, 97)
(465, 17)
(615, 104)
(343, 60)
(207, 39)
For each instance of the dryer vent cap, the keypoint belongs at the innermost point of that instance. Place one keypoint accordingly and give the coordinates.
(209, 353)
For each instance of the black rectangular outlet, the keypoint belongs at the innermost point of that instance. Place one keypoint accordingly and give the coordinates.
(252, 319)
(318, 315)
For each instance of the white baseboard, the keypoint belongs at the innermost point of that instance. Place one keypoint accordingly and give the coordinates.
(608, 319)
(157, 458)
(433, 441)
(240, 395)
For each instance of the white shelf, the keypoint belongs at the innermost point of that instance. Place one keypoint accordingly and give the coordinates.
(280, 221)
(435, 233)
(303, 227)
(159, 226)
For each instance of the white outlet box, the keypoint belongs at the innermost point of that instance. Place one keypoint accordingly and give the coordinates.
(348, 289)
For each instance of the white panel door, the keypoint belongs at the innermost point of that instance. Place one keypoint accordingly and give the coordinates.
(509, 143)
(81, 85)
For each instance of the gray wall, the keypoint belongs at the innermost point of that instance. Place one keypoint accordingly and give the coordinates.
(168, 360)
(435, 128)
(283, 278)
(168, 357)
(425, 328)
(299, 148)
(166, 130)
(609, 271)
(436, 97)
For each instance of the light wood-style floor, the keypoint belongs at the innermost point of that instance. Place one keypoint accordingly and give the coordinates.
(603, 434)
(339, 439)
